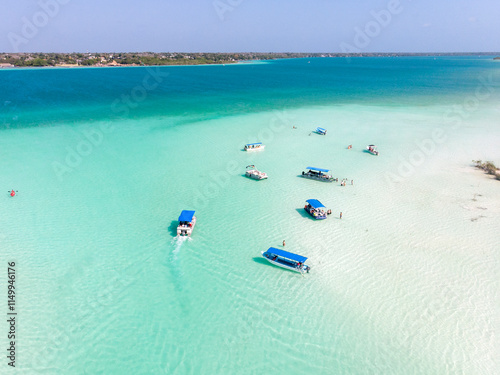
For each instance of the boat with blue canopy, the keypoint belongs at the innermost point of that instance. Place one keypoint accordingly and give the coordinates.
(187, 221)
(316, 209)
(319, 174)
(284, 259)
(254, 146)
(321, 131)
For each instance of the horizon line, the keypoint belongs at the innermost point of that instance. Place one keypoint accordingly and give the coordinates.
(247, 52)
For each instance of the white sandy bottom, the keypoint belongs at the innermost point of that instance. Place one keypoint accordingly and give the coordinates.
(405, 283)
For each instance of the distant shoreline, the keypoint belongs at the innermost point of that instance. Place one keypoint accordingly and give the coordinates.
(109, 66)
(112, 60)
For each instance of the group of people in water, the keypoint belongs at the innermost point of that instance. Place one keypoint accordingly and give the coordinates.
(344, 182)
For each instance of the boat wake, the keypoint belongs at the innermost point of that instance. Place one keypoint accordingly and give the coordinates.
(177, 274)
(178, 242)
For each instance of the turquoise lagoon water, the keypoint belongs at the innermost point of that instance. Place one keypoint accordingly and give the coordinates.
(104, 160)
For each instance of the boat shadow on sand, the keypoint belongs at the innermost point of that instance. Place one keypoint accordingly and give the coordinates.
(261, 260)
(173, 228)
(304, 214)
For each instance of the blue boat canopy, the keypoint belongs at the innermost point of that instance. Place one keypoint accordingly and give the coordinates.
(321, 129)
(315, 203)
(186, 215)
(253, 144)
(318, 169)
(286, 254)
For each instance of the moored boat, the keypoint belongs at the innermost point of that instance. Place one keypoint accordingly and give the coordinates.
(319, 174)
(315, 208)
(254, 146)
(321, 131)
(254, 173)
(284, 259)
(187, 221)
(372, 149)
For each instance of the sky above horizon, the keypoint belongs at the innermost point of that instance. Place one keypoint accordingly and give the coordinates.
(250, 26)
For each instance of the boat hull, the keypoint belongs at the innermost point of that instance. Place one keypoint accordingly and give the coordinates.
(322, 179)
(301, 269)
(256, 175)
(372, 151)
(186, 230)
(255, 148)
(317, 217)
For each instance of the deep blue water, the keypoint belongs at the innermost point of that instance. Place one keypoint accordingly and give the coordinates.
(33, 97)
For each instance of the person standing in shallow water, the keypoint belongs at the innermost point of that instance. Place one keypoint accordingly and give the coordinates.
(283, 242)
(340, 217)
